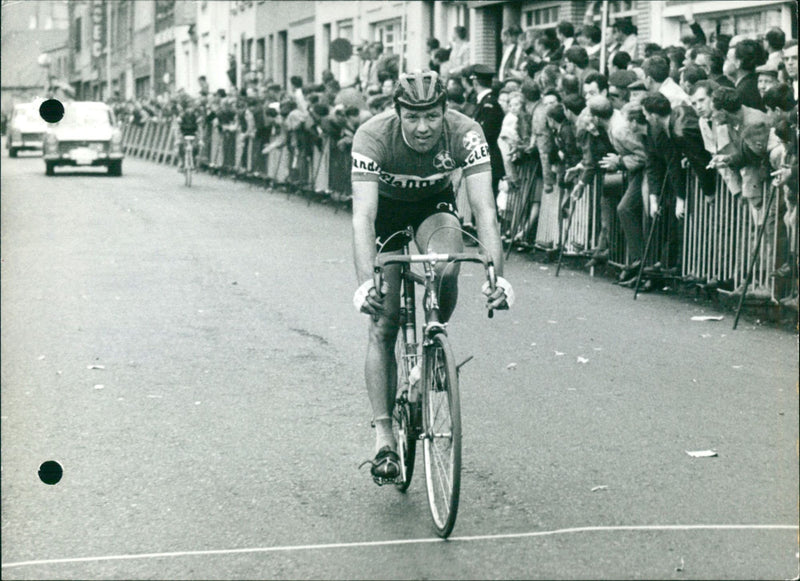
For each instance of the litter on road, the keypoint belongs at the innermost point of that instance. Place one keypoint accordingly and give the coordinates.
(707, 318)
(702, 454)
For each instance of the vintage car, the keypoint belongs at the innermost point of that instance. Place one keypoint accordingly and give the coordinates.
(26, 129)
(85, 136)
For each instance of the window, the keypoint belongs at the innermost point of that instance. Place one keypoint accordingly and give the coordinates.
(618, 9)
(733, 24)
(78, 33)
(540, 17)
(388, 32)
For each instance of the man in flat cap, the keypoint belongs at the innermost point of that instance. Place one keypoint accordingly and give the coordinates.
(489, 116)
(767, 78)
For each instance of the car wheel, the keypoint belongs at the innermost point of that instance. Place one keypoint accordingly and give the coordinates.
(12, 152)
(49, 168)
(115, 168)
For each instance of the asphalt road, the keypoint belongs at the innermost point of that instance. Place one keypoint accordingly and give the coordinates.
(192, 360)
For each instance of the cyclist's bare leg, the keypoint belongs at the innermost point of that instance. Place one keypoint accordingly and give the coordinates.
(432, 237)
(381, 366)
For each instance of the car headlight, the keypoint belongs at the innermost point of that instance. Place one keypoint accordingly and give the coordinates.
(116, 141)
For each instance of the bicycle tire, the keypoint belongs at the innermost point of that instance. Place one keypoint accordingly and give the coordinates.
(441, 410)
(404, 431)
(187, 167)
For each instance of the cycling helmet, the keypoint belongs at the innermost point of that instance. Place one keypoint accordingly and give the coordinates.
(419, 90)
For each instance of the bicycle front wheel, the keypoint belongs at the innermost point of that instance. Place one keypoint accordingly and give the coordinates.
(441, 410)
(405, 431)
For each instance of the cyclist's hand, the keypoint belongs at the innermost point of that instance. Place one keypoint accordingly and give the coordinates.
(503, 296)
(368, 300)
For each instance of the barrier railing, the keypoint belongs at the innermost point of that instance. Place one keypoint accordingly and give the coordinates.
(712, 245)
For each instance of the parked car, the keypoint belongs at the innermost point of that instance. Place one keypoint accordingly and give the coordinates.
(86, 136)
(26, 129)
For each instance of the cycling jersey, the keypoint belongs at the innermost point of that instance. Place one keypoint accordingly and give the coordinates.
(381, 154)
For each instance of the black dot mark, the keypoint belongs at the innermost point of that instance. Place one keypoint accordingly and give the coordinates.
(51, 110)
(50, 472)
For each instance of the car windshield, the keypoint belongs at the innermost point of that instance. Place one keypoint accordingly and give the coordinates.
(82, 116)
(27, 114)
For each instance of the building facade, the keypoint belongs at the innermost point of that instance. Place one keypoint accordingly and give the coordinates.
(34, 49)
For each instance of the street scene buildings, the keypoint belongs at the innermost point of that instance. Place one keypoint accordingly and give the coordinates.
(166, 45)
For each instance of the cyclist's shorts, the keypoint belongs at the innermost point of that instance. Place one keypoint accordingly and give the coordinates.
(394, 216)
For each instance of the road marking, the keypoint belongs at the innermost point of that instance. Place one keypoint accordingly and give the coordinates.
(397, 542)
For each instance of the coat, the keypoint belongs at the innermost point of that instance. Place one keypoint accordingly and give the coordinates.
(489, 115)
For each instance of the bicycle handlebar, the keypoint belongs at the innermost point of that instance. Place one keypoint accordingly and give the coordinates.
(383, 260)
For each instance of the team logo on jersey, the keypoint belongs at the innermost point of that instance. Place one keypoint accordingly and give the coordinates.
(472, 140)
(443, 161)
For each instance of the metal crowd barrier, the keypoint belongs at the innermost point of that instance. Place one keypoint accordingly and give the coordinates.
(715, 240)
(719, 239)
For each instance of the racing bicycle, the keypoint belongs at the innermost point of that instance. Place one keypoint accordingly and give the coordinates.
(427, 406)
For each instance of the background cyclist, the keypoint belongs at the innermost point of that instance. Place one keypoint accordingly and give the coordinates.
(403, 160)
(188, 124)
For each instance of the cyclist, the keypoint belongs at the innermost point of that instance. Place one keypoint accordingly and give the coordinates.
(403, 160)
(188, 125)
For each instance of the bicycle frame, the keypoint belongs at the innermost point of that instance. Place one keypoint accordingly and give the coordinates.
(408, 281)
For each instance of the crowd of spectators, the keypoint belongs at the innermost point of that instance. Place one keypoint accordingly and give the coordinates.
(719, 105)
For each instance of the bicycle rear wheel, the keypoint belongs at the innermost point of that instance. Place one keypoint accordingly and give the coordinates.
(405, 432)
(441, 410)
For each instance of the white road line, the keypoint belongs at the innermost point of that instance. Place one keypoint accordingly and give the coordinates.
(400, 542)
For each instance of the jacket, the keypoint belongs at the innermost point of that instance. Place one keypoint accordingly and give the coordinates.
(489, 115)
(747, 89)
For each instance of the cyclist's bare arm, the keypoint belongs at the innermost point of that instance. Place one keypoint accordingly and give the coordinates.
(481, 200)
(365, 210)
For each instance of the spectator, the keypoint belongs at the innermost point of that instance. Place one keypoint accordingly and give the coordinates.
(623, 34)
(748, 131)
(203, 85)
(618, 83)
(508, 141)
(656, 71)
(775, 41)
(459, 51)
(433, 45)
(441, 59)
(561, 123)
(742, 62)
(595, 85)
(628, 139)
(636, 91)
(652, 49)
(590, 38)
(577, 63)
(712, 61)
(723, 42)
(513, 53)
(568, 85)
(790, 63)
(701, 101)
(698, 37)
(785, 178)
(619, 62)
(690, 75)
(683, 132)
(677, 57)
(592, 134)
(299, 97)
(565, 32)
(767, 78)
(489, 116)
